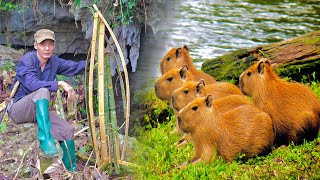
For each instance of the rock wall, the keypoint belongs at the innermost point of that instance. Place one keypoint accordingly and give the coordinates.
(73, 29)
(23, 25)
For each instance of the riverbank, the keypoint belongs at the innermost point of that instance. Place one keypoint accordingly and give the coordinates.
(159, 157)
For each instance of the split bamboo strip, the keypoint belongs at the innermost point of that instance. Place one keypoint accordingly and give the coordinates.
(86, 87)
(60, 106)
(90, 94)
(113, 115)
(103, 136)
(118, 146)
(126, 79)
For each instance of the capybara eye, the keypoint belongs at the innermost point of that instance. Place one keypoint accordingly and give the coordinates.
(195, 108)
(186, 91)
(170, 79)
(168, 59)
(249, 74)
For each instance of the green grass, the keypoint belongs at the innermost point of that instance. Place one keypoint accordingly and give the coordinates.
(159, 158)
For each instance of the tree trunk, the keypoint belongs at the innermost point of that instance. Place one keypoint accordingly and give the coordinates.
(297, 58)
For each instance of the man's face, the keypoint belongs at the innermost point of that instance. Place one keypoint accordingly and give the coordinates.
(45, 49)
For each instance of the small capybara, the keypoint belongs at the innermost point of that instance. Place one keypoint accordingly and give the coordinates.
(191, 90)
(244, 129)
(174, 59)
(293, 107)
(178, 57)
(176, 78)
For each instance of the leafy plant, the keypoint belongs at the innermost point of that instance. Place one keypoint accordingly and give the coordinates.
(8, 6)
(8, 66)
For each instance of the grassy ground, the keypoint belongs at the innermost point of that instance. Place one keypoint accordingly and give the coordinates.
(159, 157)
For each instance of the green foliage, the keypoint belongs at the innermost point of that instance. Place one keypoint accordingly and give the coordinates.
(8, 6)
(155, 108)
(124, 12)
(8, 66)
(3, 127)
(159, 158)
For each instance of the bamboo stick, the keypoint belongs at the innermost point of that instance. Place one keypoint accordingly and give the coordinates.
(123, 94)
(113, 115)
(90, 93)
(86, 88)
(126, 79)
(103, 137)
(106, 108)
(60, 105)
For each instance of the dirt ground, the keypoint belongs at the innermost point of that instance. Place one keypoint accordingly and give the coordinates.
(20, 155)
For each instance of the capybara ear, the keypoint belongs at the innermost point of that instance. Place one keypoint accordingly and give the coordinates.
(186, 48)
(183, 71)
(178, 53)
(209, 101)
(200, 86)
(261, 67)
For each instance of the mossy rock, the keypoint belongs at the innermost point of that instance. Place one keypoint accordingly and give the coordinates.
(295, 58)
(230, 66)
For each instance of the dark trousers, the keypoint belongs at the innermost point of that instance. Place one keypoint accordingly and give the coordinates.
(23, 111)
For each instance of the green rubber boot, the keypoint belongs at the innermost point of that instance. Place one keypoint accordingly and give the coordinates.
(47, 144)
(69, 155)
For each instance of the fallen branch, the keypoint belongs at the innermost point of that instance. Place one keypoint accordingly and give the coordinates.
(22, 161)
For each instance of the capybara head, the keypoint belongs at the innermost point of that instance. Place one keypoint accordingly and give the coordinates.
(170, 81)
(195, 114)
(256, 76)
(185, 94)
(173, 59)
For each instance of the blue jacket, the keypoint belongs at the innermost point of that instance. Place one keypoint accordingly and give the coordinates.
(28, 72)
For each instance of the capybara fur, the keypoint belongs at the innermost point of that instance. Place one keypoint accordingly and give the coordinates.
(174, 79)
(244, 129)
(174, 59)
(191, 90)
(293, 107)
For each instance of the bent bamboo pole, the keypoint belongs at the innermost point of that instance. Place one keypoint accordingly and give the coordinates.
(101, 87)
(126, 78)
(91, 111)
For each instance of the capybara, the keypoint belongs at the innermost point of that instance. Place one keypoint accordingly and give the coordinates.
(174, 79)
(174, 59)
(244, 129)
(293, 107)
(178, 57)
(191, 90)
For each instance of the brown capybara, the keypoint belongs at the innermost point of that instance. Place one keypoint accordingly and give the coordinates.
(293, 107)
(191, 90)
(244, 129)
(174, 59)
(174, 79)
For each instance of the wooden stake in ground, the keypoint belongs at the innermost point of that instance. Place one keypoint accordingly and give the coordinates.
(90, 93)
(101, 87)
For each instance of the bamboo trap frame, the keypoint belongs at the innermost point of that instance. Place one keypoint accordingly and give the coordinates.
(109, 150)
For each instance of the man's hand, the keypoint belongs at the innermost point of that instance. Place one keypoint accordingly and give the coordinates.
(68, 89)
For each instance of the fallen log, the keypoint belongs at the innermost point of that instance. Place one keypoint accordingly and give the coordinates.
(297, 58)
